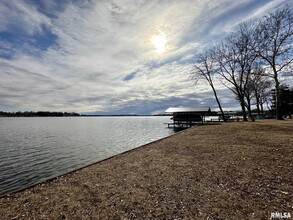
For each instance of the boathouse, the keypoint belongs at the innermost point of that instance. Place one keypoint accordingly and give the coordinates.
(187, 117)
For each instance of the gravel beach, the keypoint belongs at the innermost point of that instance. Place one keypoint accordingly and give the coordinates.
(237, 170)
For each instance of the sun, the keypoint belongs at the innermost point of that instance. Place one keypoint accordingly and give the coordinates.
(159, 41)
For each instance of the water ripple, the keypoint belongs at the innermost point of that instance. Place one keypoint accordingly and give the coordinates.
(35, 149)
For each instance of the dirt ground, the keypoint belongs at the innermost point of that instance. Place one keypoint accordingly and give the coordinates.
(238, 170)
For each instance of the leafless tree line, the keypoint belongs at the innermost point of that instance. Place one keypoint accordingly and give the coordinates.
(250, 60)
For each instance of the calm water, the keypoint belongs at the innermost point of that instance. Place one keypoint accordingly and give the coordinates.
(35, 149)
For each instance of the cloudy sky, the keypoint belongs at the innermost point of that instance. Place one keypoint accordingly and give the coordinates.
(116, 57)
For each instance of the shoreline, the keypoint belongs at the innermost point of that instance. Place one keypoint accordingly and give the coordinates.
(80, 168)
(234, 170)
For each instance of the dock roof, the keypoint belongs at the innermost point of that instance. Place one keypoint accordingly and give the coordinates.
(202, 109)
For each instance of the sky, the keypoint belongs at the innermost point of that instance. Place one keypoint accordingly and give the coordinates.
(113, 57)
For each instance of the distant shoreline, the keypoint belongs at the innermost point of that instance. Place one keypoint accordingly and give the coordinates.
(66, 114)
(3, 116)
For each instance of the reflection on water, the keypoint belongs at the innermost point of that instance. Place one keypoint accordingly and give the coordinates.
(35, 149)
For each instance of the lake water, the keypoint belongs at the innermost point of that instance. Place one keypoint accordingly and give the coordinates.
(35, 149)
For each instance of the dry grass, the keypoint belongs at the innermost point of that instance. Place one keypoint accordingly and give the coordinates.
(229, 171)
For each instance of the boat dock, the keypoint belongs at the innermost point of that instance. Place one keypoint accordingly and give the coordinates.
(187, 117)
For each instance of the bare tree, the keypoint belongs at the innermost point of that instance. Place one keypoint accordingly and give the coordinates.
(248, 94)
(204, 69)
(235, 59)
(260, 86)
(274, 41)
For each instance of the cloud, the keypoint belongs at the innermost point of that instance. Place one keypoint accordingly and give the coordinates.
(18, 16)
(97, 56)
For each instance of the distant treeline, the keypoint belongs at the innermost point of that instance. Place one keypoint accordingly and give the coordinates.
(37, 114)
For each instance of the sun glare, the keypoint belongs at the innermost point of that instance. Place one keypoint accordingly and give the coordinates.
(159, 41)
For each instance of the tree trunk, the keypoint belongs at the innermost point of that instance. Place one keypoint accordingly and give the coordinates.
(257, 102)
(218, 101)
(258, 109)
(248, 107)
(242, 103)
(279, 115)
(261, 107)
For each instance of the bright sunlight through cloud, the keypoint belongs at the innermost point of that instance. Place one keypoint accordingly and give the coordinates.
(159, 41)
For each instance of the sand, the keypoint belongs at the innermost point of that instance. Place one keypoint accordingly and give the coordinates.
(237, 170)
